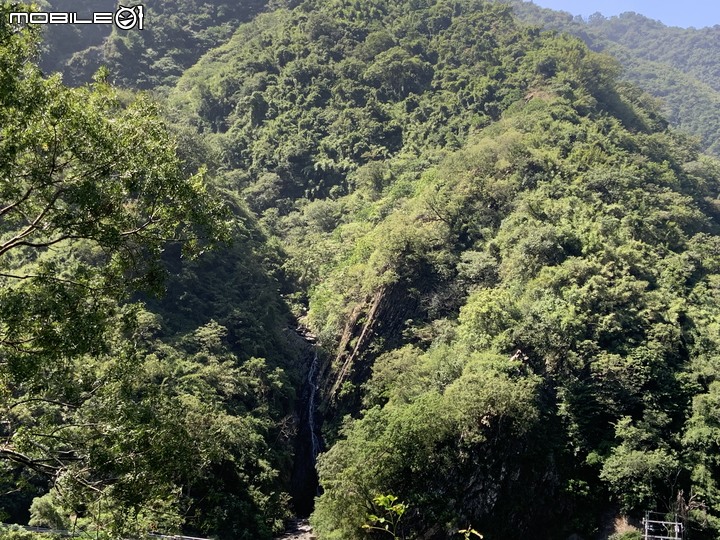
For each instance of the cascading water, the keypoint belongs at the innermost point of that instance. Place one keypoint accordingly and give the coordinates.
(312, 385)
(308, 443)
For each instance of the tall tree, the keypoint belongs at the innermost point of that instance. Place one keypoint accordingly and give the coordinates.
(91, 191)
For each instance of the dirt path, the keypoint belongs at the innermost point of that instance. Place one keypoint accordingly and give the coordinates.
(300, 531)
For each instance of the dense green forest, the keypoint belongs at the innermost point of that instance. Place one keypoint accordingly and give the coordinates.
(74, 50)
(676, 65)
(176, 33)
(461, 257)
(141, 412)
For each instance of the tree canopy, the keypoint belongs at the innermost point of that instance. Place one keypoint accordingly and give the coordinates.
(505, 259)
(125, 422)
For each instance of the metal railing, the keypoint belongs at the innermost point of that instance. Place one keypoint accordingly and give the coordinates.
(656, 526)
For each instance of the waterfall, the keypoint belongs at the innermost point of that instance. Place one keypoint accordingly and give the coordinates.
(308, 443)
(312, 385)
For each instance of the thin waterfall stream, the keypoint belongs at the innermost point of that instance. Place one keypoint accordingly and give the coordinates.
(312, 385)
(304, 483)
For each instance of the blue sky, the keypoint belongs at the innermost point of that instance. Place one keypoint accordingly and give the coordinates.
(683, 13)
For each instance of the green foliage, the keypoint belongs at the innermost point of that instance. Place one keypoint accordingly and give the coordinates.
(389, 521)
(83, 169)
(291, 102)
(555, 242)
(44, 512)
(639, 465)
(672, 64)
(14, 532)
(536, 280)
(629, 535)
(74, 50)
(176, 35)
(136, 425)
(513, 259)
(487, 404)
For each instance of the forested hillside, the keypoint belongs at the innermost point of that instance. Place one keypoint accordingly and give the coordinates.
(676, 65)
(503, 262)
(504, 249)
(74, 50)
(147, 369)
(673, 64)
(176, 33)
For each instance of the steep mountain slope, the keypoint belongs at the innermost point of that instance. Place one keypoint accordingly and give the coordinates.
(175, 35)
(507, 256)
(508, 261)
(572, 378)
(74, 50)
(678, 66)
(178, 33)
